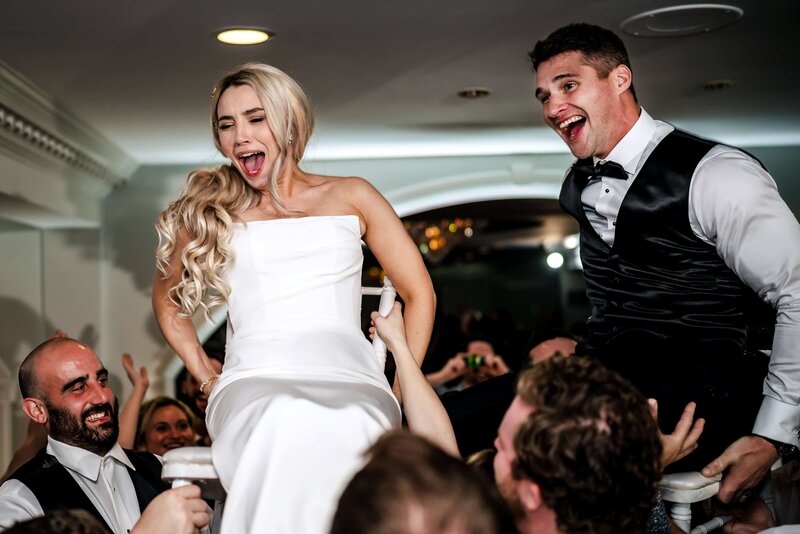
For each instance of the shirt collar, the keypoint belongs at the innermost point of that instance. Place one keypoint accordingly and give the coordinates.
(85, 463)
(630, 148)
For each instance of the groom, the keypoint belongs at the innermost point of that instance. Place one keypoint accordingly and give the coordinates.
(682, 242)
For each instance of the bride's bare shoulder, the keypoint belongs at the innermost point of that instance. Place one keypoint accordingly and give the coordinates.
(344, 185)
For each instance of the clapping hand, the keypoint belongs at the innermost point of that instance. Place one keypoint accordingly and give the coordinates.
(138, 379)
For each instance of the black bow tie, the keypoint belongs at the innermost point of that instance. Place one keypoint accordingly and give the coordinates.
(608, 169)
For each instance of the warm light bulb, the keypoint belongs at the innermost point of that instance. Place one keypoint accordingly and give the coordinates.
(242, 36)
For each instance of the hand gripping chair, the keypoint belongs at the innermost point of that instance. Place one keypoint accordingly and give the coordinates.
(680, 490)
(193, 465)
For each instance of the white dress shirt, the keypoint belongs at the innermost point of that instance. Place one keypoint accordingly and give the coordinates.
(734, 206)
(104, 479)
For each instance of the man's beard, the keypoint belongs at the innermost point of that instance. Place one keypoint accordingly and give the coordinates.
(66, 428)
(508, 490)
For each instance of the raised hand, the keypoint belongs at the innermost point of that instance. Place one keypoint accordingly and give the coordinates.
(682, 440)
(391, 328)
(129, 414)
(495, 365)
(138, 379)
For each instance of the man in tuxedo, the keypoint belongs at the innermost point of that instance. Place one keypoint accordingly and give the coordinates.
(682, 241)
(65, 387)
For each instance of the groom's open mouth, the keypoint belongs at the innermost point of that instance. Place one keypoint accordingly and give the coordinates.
(571, 128)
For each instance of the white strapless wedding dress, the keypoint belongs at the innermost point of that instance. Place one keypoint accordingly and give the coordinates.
(302, 394)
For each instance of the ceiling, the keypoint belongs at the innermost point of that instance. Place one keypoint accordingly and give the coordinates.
(383, 76)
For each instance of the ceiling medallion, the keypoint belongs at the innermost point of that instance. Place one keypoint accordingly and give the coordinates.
(679, 21)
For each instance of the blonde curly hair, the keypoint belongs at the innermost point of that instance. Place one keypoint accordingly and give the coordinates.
(213, 199)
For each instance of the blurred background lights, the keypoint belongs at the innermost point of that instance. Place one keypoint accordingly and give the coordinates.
(571, 242)
(555, 260)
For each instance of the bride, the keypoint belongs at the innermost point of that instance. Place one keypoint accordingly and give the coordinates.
(301, 395)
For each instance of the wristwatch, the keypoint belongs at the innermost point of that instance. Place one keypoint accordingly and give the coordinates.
(784, 449)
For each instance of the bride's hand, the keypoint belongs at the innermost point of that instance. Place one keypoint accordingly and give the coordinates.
(208, 385)
(391, 328)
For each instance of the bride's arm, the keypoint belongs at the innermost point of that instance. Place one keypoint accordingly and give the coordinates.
(398, 255)
(179, 331)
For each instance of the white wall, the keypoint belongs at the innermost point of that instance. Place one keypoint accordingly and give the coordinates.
(22, 324)
(129, 242)
(48, 279)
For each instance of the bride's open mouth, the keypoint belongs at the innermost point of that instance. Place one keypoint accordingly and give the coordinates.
(252, 162)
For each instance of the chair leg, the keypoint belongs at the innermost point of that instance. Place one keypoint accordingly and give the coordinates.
(216, 518)
(681, 514)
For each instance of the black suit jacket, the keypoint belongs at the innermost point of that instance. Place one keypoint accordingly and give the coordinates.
(55, 488)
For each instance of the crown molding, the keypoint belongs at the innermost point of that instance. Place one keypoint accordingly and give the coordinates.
(32, 118)
(24, 131)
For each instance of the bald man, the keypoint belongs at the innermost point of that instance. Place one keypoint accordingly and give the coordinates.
(65, 387)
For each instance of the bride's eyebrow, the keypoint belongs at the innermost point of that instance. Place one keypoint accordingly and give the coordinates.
(248, 112)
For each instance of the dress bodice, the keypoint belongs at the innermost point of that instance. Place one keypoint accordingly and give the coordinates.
(295, 301)
(305, 269)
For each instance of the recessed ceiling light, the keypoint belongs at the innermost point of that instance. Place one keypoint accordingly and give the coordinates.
(474, 92)
(717, 85)
(244, 36)
(678, 21)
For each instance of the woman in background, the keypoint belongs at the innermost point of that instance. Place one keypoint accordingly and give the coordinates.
(165, 424)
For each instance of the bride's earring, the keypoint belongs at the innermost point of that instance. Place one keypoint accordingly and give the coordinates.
(290, 139)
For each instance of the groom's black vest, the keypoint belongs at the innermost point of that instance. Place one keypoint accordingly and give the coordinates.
(659, 286)
(55, 489)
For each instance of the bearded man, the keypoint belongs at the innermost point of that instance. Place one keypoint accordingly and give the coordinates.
(65, 387)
